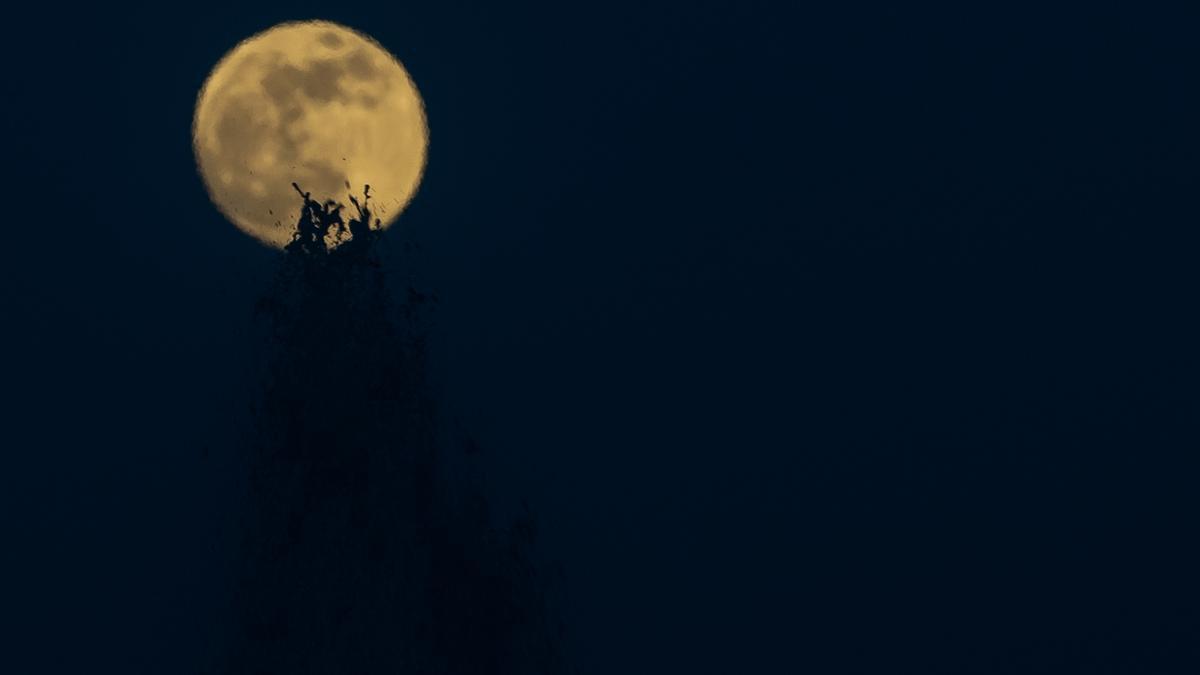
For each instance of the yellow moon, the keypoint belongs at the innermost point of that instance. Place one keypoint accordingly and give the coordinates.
(314, 103)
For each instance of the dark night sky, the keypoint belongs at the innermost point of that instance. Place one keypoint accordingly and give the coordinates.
(821, 341)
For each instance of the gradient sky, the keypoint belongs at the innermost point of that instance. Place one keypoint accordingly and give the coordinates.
(817, 340)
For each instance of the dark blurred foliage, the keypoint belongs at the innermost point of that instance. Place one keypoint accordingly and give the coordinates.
(365, 550)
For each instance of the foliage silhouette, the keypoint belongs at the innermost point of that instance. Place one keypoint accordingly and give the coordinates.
(320, 228)
(364, 551)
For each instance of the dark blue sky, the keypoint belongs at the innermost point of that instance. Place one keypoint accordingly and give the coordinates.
(818, 340)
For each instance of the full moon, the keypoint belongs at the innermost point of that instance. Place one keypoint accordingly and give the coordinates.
(314, 103)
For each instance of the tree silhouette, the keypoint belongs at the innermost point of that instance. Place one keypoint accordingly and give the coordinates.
(320, 228)
(363, 552)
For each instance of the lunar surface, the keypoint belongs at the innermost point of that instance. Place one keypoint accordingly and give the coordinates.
(314, 103)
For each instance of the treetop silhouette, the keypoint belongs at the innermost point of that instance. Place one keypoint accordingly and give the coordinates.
(321, 230)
